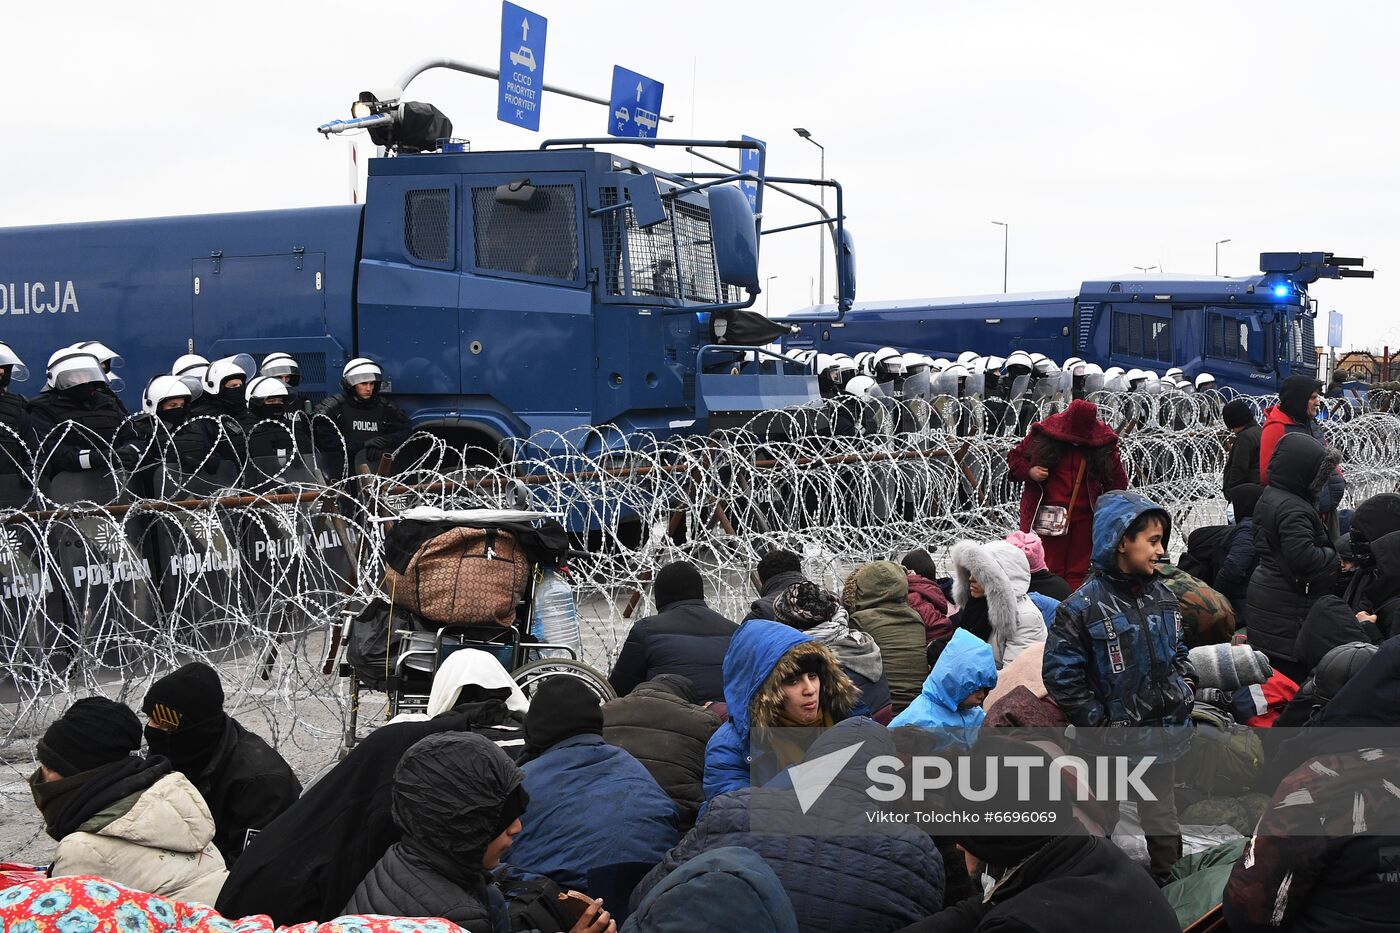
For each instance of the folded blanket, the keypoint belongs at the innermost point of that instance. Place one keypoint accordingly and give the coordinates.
(1229, 667)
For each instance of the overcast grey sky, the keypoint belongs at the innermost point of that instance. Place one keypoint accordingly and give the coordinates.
(1108, 134)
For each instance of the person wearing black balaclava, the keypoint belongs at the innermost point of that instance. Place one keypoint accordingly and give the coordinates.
(243, 780)
(73, 418)
(16, 432)
(1066, 881)
(219, 418)
(128, 819)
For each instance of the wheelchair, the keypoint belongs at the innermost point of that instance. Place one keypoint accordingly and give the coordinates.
(417, 654)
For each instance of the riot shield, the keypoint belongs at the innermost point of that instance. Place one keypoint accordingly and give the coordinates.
(36, 644)
(104, 576)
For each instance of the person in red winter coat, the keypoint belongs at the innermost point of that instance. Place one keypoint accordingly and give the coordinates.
(1067, 460)
(926, 597)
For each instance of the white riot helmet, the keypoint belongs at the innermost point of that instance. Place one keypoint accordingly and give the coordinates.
(822, 362)
(859, 386)
(967, 356)
(223, 369)
(996, 362)
(162, 389)
(1072, 362)
(190, 368)
(1134, 376)
(1205, 381)
(916, 363)
(1046, 366)
(109, 360)
(360, 370)
(941, 364)
(69, 368)
(888, 361)
(18, 371)
(863, 362)
(108, 357)
(262, 388)
(846, 366)
(281, 366)
(1020, 358)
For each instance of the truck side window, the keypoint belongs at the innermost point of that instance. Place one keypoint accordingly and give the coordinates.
(427, 224)
(538, 237)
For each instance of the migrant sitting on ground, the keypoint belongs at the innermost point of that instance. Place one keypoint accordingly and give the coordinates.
(775, 677)
(662, 724)
(595, 813)
(811, 609)
(776, 571)
(877, 597)
(243, 780)
(307, 863)
(458, 800)
(951, 702)
(685, 637)
(128, 819)
(926, 597)
(991, 584)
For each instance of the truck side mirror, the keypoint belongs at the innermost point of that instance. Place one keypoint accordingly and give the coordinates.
(646, 200)
(845, 270)
(735, 237)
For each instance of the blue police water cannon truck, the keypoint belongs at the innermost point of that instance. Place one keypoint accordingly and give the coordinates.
(504, 293)
(1249, 332)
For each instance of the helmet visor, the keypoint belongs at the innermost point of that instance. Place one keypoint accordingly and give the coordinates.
(79, 373)
(18, 371)
(361, 376)
(280, 368)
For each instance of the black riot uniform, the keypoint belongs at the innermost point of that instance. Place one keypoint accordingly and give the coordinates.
(368, 426)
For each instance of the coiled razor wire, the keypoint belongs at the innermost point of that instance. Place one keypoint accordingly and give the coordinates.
(103, 590)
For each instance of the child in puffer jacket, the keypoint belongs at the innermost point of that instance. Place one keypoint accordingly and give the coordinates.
(951, 703)
(998, 573)
(926, 596)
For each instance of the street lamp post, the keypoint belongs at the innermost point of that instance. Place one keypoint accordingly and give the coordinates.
(1217, 253)
(821, 195)
(1146, 269)
(1005, 242)
(767, 294)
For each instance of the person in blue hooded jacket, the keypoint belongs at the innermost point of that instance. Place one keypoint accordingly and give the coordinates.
(1115, 658)
(775, 677)
(951, 701)
(596, 815)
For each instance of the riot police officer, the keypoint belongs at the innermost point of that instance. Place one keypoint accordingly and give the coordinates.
(76, 415)
(360, 418)
(109, 359)
(284, 367)
(219, 416)
(16, 433)
(190, 369)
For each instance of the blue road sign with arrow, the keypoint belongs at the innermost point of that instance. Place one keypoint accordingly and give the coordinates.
(1334, 329)
(522, 66)
(635, 108)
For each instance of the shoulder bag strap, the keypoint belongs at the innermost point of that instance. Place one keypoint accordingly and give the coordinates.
(1078, 481)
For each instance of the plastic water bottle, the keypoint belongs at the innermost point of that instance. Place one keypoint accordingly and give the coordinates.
(554, 617)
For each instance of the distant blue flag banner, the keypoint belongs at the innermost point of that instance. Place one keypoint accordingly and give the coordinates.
(635, 107)
(1334, 329)
(522, 66)
(748, 162)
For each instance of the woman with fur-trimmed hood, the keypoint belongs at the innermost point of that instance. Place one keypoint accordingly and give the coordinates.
(775, 678)
(992, 582)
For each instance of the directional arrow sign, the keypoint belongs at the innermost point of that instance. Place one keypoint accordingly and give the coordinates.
(635, 105)
(522, 66)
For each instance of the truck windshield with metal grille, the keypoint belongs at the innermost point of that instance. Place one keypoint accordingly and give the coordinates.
(662, 260)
